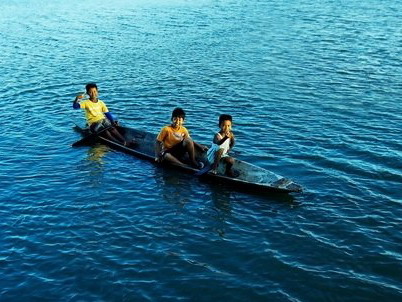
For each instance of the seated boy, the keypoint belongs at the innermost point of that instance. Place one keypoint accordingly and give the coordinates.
(97, 115)
(174, 141)
(222, 143)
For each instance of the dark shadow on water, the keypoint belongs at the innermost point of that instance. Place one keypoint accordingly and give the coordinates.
(197, 200)
(222, 200)
(215, 204)
(175, 190)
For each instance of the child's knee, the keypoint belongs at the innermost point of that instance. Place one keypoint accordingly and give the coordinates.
(219, 152)
(187, 141)
(166, 157)
(230, 160)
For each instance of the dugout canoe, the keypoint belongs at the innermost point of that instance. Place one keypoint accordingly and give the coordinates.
(250, 177)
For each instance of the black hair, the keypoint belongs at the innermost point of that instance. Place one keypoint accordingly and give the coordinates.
(178, 112)
(224, 117)
(90, 85)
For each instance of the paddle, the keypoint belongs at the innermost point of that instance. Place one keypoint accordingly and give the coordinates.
(85, 140)
(204, 170)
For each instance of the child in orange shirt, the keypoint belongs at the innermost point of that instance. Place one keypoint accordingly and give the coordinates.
(174, 141)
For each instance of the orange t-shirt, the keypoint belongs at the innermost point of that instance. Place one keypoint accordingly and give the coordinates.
(170, 136)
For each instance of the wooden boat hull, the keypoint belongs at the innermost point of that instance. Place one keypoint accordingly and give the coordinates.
(250, 177)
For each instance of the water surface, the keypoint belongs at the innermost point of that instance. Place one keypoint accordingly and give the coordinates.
(314, 89)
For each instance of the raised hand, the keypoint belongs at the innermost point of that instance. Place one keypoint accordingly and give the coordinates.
(80, 95)
(229, 134)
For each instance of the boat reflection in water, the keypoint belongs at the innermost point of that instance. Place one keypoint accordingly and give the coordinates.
(95, 165)
(96, 153)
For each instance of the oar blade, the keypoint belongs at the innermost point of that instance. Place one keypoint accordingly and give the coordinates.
(203, 171)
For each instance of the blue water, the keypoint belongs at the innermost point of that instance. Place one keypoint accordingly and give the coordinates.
(314, 88)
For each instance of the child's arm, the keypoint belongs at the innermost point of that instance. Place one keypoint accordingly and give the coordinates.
(111, 118)
(158, 151)
(220, 141)
(196, 145)
(159, 145)
(199, 146)
(76, 103)
(232, 140)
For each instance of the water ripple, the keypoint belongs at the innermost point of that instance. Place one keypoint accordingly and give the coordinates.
(313, 90)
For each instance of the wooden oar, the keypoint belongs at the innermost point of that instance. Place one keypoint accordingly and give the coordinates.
(85, 140)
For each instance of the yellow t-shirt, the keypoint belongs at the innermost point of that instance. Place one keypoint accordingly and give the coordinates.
(170, 137)
(94, 112)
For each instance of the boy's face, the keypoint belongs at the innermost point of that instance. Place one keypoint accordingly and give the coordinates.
(93, 93)
(226, 126)
(177, 121)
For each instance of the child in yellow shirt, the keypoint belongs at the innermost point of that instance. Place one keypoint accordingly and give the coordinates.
(97, 114)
